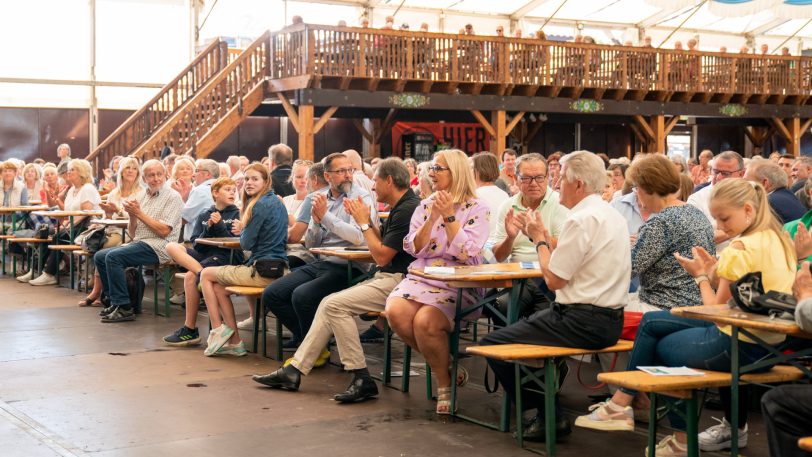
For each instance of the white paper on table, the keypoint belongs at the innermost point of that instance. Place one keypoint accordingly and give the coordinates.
(671, 371)
(439, 270)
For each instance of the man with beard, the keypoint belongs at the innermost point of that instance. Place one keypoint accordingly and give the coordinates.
(295, 297)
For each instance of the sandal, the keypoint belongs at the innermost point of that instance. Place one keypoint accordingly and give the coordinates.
(462, 375)
(88, 302)
(444, 401)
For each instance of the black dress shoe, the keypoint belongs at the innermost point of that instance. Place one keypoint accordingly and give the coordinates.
(534, 431)
(360, 389)
(281, 379)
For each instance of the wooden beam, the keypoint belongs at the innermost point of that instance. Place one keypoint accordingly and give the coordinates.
(364, 132)
(644, 127)
(751, 136)
(487, 125)
(518, 117)
(780, 128)
(289, 109)
(533, 131)
(498, 121)
(306, 146)
(805, 126)
(638, 134)
(658, 126)
(324, 118)
(794, 144)
(388, 121)
(670, 124)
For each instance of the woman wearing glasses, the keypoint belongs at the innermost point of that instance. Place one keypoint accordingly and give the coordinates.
(448, 229)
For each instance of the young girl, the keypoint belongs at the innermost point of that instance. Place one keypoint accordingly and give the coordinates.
(758, 244)
(263, 231)
(214, 222)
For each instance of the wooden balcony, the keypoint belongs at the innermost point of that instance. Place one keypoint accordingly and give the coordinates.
(347, 58)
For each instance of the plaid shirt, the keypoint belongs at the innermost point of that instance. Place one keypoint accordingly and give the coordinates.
(165, 207)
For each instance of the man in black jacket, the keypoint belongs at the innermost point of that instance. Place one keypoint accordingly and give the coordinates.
(281, 165)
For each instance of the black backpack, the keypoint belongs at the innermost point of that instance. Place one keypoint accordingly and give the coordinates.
(135, 287)
(748, 294)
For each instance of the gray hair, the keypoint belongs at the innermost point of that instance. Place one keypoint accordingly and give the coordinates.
(764, 169)
(235, 160)
(586, 167)
(731, 155)
(63, 146)
(211, 166)
(316, 171)
(281, 154)
(355, 159)
(804, 160)
(396, 169)
(531, 157)
(151, 163)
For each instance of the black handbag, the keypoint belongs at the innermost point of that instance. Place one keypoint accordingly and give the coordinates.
(93, 239)
(270, 268)
(748, 294)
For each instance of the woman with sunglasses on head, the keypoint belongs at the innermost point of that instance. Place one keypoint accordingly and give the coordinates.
(448, 229)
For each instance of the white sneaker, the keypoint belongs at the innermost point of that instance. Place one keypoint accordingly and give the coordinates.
(717, 437)
(217, 339)
(26, 277)
(43, 280)
(669, 447)
(247, 324)
(178, 299)
(605, 416)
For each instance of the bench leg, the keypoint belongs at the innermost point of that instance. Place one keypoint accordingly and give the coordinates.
(692, 423)
(550, 390)
(505, 415)
(386, 378)
(407, 368)
(734, 392)
(255, 330)
(652, 424)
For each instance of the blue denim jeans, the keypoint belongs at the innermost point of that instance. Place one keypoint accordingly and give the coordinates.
(665, 339)
(111, 262)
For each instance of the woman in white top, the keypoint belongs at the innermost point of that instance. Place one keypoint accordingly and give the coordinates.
(128, 187)
(32, 177)
(82, 196)
(298, 177)
(183, 176)
(486, 172)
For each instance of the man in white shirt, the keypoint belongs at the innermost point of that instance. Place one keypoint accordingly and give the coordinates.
(589, 270)
(728, 164)
(510, 241)
(200, 199)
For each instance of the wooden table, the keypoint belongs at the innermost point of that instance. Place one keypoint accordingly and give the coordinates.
(70, 215)
(120, 223)
(353, 256)
(805, 443)
(743, 322)
(13, 210)
(231, 243)
(499, 275)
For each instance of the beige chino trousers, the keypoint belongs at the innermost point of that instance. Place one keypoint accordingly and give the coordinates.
(336, 316)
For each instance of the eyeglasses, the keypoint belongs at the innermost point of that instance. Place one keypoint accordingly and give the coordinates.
(528, 179)
(153, 175)
(725, 174)
(342, 171)
(438, 168)
(302, 162)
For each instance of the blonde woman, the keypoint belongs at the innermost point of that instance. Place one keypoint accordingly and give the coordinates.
(263, 231)
(32, 177)
(82, 195)
(758, 243)
(448, 229)
(128, 187)
(298, 178)
(183, 176)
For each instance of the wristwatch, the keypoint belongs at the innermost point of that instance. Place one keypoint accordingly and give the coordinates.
(542, 243)
(364, 227)
(701, 278)
(450, 219)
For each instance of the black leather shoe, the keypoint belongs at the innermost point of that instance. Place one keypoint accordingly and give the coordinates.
(534, 431)
(360, 389)
(280, 379)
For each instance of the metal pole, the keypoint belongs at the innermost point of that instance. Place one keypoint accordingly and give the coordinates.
(93, 112)
(791, 36)
(696, 9)
(554, 13)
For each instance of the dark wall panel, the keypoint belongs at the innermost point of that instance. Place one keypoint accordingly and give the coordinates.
(720, 138)
(110, 120)
(558, 137)
(58, 126)
(19, 133)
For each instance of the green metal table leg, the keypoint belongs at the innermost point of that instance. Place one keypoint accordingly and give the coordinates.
(692, 425)
(387, 355)
(549, 405)
(734, 391)
(518, 386)
(4, 243)
(454, 344)
(407, 368)
(168, 274)
(278, 339)
(428, 382)
(255, 330)
(652, 424)
(14, 259)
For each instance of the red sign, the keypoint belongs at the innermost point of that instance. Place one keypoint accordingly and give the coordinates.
(468, 137)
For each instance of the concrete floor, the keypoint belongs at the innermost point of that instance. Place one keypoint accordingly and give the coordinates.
(72, 386)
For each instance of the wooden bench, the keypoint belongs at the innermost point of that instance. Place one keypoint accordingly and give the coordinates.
(65, 248)
(530, 355)
(37, 241)
(259, 315)
(685, 387)
(80, 254)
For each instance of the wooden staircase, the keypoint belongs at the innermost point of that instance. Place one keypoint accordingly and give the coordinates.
(196, 111)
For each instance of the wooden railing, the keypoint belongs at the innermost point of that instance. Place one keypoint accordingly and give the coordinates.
(221, 96)
(144, 122)
(371, 53)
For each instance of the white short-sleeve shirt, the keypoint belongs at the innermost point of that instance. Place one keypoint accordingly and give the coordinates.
(594, 256)
(86, 193)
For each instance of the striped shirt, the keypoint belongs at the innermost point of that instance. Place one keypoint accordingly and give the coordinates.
(164, 206)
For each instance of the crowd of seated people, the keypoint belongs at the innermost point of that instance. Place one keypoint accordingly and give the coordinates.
(668, 233)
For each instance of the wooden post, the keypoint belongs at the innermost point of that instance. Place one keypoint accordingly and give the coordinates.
(498, 122)
(306, 150)
(658, 140)
(375, 144)
(791, 130)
